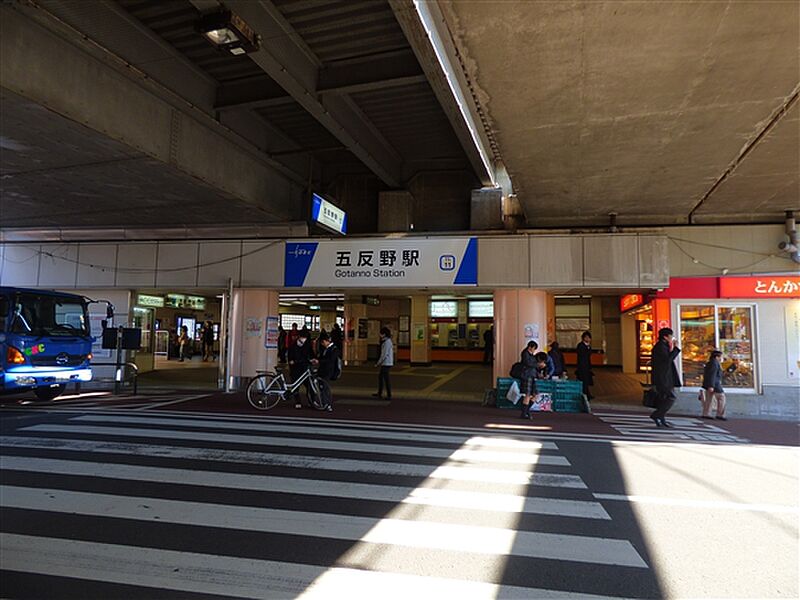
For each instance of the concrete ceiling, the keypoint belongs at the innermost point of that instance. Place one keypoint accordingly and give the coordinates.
(662, 112)
(56, 172)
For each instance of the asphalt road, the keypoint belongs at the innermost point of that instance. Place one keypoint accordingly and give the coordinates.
(126, 503)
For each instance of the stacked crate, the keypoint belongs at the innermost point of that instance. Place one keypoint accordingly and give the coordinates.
(567, 394)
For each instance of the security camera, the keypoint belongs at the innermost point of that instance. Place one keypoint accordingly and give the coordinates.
(787, 247)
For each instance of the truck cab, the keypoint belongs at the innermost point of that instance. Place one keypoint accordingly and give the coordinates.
(45, 341)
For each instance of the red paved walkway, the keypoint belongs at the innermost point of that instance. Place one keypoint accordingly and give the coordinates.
(457, 414)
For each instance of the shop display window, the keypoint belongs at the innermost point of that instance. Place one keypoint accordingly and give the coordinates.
(572, 319)
(704, 328)
(645, 338)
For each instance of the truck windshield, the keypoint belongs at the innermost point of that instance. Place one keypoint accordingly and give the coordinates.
(46, 315)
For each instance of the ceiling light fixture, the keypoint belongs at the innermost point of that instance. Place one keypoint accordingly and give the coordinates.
(227, 31)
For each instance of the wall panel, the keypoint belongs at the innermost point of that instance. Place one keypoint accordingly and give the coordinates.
(218, 262)
(503, 261)
(21, 265)
(97, 266)
(610, 261)
(58, 265)
(262, 263)
(136, 264)
(172, 256)
(556, 261)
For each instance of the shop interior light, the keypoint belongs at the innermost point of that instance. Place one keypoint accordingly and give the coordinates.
(228, 31)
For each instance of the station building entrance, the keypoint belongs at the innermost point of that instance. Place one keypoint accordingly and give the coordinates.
(182, 337)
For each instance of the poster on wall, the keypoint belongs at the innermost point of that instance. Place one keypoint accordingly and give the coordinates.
(271, 333)
(403, 338)
(419, 332)
(531, 332)
(96, 327)
(363, 329)
(252, 327)
(404, 322)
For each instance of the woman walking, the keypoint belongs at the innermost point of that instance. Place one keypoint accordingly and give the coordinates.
(712, 385)
(183, 340)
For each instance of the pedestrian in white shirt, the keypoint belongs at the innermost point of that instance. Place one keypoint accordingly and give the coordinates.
(385, 362)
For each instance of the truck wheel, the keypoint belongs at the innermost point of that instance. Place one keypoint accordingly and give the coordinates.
(45, 394)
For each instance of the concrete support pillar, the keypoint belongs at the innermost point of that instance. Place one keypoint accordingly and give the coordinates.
(519, 316)
(355, 348)
(420, 331)
(251, 308)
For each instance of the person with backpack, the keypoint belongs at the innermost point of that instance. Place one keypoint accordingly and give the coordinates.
(557, 358)
(330, 361)
(329, 364)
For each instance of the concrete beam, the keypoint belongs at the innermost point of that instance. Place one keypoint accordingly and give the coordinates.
(286, 60)
(447, 81)
(391, 69)
(48, 62)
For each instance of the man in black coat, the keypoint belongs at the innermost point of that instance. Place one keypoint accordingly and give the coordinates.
(528, 359)
(584, 370)
(665, 375)
(488, 345)
(300, 355)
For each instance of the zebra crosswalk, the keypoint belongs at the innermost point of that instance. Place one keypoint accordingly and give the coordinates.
(270, 507)
(641, 426)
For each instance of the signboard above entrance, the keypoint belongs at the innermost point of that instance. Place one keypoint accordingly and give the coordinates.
(380, 263)
(630, 301)
(765, 286)
(328, 215)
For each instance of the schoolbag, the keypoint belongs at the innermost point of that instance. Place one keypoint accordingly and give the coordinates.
(516, 370)
(337, 368)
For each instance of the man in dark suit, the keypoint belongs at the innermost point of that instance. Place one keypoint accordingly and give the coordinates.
(584, 370)
(665, 375)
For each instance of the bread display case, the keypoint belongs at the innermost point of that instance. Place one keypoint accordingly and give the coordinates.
(704, 328)
(645, 338)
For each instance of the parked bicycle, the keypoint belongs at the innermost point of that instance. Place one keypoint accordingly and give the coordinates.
(266, 390)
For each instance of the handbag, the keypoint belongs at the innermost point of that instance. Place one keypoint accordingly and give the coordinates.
(650, 398)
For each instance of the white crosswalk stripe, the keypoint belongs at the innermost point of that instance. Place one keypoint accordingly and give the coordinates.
(109, 401)
(381, 512)
(641, 426)
(242, 578)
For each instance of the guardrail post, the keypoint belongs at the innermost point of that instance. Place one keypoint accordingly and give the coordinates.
(117, 372)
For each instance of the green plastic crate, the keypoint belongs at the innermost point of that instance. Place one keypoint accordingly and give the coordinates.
(567, 394)
(503, 383)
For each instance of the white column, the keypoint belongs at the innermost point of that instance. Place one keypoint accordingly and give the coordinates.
(519, 315)
(248, 333)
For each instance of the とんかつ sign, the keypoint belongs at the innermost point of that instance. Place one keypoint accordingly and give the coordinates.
(767, 286)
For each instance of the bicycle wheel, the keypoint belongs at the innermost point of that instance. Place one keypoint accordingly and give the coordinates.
(264, 392)
(322, 400)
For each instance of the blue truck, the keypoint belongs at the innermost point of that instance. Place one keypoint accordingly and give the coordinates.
(45, 341)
